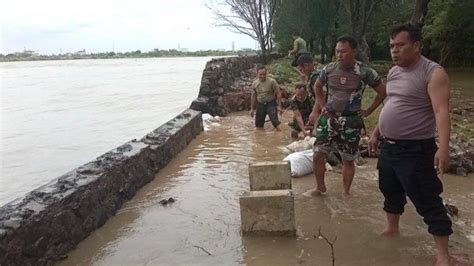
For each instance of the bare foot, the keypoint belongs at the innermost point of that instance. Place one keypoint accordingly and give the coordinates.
(314, 193)
(391, 232)
(442, 261)
(457, 260)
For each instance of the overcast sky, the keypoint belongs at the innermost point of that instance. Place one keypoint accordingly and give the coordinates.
(53, 26)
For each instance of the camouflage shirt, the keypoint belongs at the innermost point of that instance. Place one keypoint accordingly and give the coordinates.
(304, 107)
(345, 86)
(311, 81)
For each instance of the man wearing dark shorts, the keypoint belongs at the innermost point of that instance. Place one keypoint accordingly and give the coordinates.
(266, 99)
(409, 159)
(340, 122)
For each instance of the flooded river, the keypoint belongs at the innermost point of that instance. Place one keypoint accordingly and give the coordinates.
(58, 115)
(206, 181)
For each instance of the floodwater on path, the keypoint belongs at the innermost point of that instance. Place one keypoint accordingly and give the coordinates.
(202, 227)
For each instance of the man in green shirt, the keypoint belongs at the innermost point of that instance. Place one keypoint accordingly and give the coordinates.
(299, 48)
(266, 99)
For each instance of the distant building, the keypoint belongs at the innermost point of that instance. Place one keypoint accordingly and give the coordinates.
(26, 53)
(82, 52)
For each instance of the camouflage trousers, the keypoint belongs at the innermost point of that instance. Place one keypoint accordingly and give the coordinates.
(342, 132)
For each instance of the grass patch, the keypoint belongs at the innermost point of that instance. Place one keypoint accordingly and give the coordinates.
(367, 99)
(282, 71)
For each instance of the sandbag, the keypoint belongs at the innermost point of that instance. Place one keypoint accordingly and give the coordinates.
(299, 145)
(301, 163)
(209, 120)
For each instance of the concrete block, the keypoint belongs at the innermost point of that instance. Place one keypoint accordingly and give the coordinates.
(270, 175)
(268, 212)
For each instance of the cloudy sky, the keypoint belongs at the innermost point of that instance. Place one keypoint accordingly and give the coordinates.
(54, 26)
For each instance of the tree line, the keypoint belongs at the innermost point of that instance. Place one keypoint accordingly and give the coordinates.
(448, 28)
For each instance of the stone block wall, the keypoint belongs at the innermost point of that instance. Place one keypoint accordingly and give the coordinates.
(44, 225)
(226, 76)
(225, 85)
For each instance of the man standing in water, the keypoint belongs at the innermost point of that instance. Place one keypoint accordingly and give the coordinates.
(409, 160)
(266, 99)
(340, 123)
(307, 67)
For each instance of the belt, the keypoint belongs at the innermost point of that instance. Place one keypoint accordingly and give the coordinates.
(344, 113)
(267, 102)
(404, 141)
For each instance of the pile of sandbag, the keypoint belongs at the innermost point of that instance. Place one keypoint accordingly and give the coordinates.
(210, 121)
(299, 145)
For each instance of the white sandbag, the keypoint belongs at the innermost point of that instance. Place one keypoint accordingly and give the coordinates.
(209, 120)
(300, 145)
(301, 163)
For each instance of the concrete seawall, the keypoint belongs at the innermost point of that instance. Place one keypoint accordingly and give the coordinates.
(45, 224)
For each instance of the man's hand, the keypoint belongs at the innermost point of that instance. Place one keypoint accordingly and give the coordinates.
(364, 113)
(252, 113)
(374, 142)
(373, 146)
(312, 118)
(279, 110)
(441, 161)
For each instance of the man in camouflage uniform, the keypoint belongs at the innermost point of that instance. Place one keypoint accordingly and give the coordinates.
(307, 66)
(301, 104)
(340, 123)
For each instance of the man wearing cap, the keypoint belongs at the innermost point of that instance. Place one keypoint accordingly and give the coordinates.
(340, 123)
(307, 66)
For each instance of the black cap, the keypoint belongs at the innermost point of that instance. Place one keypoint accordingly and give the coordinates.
(304, 59)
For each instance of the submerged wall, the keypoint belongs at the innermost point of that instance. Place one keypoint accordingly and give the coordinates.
(46, 223)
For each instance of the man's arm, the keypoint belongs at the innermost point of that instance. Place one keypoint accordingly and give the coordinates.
(253, 103)
(319, 92)
(277, 91)
(320, 102)
(373, 141)
(438, 91)
(299, 120)
(381, 94)
(295, 47)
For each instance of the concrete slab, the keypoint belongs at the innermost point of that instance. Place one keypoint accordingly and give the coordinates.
(268, 212)
(270, 175)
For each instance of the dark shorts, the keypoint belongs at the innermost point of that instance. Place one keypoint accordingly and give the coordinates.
(264, 109)
(295, 59)
(406, 168)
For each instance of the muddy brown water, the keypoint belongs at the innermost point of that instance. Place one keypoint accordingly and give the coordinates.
(206, 181)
